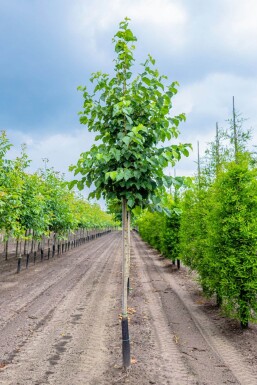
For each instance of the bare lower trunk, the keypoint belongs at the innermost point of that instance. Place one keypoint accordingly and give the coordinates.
(17, 248)
(128, 265)
(6, 249)
(25, 242)
(32, 241)
(125, 270)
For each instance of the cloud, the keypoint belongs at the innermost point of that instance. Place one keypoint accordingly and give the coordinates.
(237, 29)
(93, 24)
(49, 48)
(61, 149)
(210, 100)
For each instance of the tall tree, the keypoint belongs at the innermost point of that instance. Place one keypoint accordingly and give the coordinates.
(132, 116)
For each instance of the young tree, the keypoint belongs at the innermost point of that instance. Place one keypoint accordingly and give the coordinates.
(132, 116)
(12, 180)
(233, 238)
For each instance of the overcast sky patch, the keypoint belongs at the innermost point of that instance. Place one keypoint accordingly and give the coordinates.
(49, 48)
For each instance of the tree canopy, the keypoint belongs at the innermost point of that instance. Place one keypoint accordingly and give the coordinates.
(132, 116)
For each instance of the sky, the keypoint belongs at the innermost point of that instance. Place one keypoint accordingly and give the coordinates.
(50, 47)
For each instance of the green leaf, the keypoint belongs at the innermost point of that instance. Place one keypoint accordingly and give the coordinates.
(111, 174)
(72, 183)
(83, 119)
(127, 174)
(129, 119)
(120, 175)
(80, 185)
(131, 202)
(99, 156)
(126, 140)
(185, 152)
(146, 80)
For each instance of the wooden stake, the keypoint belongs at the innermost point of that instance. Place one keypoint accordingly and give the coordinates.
(217, 149)
(235, 130)
(198, 165)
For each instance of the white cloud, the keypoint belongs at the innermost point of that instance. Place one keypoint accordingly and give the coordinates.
(212, 97)
(158, 20)
(209, 101)
(104, 14)
(237, 29)
(61, 150)
(211, 47)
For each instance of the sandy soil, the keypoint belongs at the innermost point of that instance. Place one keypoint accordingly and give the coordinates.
(60, 325)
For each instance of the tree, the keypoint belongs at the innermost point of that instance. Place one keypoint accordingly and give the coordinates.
(114, 208)
(233, 238)
(151, 226)
(159, 226)
(218, 234)
(12, 180)
(59, 202)
(132, 116)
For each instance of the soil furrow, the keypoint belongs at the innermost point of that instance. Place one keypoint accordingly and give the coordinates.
(61, 324)
(40, 279)
(29, 347)
(173, 367)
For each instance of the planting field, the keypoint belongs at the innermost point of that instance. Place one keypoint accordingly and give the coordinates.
(60, 323)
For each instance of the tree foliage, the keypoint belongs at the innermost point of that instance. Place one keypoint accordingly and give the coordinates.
(161, 228)
(132, 116)
(232, 223)
(41, 201)
(218, 234)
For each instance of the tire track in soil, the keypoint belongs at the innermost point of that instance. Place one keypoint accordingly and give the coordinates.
(231, 356)
(226, 364)
(74, 332)
(37, 310)
(172, 368)
(78, 341)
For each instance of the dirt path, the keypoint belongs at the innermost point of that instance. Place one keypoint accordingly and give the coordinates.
(59, 324)
(209, 356)
(53, 319)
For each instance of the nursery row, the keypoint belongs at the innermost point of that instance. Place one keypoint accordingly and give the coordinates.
(212, 226)
(33, 205)
(51, 247)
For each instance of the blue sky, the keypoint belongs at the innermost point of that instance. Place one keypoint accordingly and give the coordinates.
(49, 47)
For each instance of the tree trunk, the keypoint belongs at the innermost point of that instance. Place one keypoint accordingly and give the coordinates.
(128, 265)
(6, 249)
(32, 241)
(25, 242)
(125, 262)
(17, 248)
(244, 309)
(18, 251)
